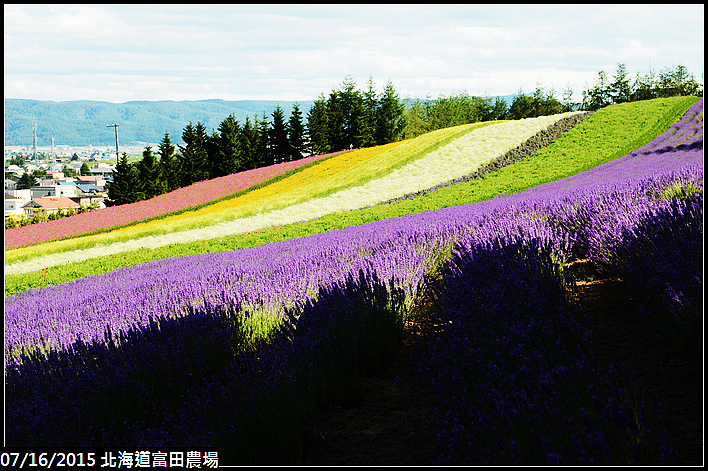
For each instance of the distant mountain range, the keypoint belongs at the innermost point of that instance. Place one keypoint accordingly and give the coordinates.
(84, 123)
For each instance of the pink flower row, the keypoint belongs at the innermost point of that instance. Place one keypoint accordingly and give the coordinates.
(182, 198)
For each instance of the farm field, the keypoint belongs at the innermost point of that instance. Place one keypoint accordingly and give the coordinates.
(214, 341)
(640, 126)
(337, 172)
(179, 200)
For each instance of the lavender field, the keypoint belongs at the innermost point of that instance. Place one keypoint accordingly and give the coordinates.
(235, 349)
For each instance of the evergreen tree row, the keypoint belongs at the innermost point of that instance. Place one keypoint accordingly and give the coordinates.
(351, 119)
(347, 119)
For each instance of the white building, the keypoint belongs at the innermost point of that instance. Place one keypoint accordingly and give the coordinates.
(14, 200)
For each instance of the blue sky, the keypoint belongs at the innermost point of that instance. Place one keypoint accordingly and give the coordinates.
(119, 53)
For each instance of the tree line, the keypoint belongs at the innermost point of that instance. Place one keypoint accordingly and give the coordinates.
(453, 110)
(621, 88)
(349, 118)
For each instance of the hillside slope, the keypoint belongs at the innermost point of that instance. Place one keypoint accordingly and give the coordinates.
(643, 120)
(326, 177)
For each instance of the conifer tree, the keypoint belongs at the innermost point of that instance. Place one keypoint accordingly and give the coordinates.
(169, 165)
(263, 156)
(352, 113)
(335, 122)
(391, 117)
(358, 127)
(367, 130)
(149, 173)
(212, 150)
(194, 158)
(249, 139)
(278, 138)
(124, 187)
(317, 127)
(296, 134)
(227, 152)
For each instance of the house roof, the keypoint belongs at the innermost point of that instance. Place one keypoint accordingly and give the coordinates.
(53, 203)
(91, 178)
(88, 186)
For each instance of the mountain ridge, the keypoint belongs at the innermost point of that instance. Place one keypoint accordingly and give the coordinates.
(84, 122)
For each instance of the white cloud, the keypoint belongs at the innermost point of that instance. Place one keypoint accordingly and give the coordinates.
(151, 52)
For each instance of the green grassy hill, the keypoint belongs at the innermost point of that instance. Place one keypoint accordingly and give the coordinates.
(603, 136)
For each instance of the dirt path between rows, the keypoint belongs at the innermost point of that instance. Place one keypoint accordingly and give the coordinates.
(380, 423)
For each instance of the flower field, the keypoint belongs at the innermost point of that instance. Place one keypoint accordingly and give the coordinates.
(299, 196)
(279, 193)
(194, 195)
(235, 345)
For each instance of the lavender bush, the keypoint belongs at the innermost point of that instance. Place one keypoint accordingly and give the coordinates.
(513, 366)
(195, 380)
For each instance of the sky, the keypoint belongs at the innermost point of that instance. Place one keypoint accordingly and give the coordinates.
(120, 53)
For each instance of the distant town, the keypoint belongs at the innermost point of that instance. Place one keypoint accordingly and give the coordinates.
(64, 178)
(84, 153)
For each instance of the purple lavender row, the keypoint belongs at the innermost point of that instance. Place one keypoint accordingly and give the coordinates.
(191, 381)
(657, 249)
(503, 395)
(266, 278)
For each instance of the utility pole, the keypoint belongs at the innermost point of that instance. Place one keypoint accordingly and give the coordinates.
(116, 128)
(34, 131)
